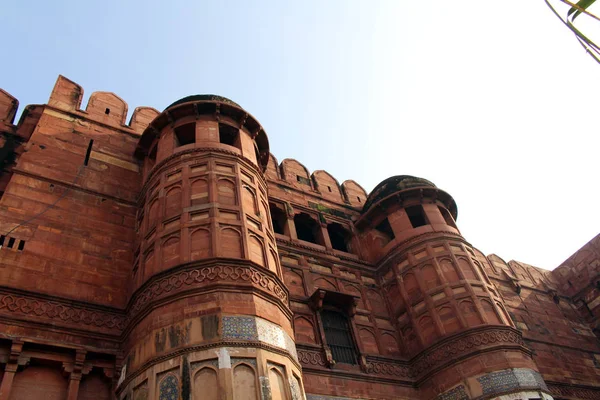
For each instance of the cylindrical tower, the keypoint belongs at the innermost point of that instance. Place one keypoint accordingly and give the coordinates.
(452, 321)
(209, 311)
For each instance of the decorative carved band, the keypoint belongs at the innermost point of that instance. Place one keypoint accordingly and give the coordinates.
(440, 354)
(311, 357)
(387, 368)
(459, 346)
(180, 279)
(576, 392)
(61, 310)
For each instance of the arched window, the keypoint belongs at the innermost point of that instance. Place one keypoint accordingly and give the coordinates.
(279, 219)
(338, 336)
(228, 134)
(307, 228)
(416, 215)
(339, 236)
(185, 134)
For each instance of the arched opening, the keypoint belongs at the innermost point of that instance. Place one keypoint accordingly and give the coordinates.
(279, 219)
(228, 135)
(339, 236)
(416, 215)
(185, 134)
(385, 231)
(447, 217)
(307, 229)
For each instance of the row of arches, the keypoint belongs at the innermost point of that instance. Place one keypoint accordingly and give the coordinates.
(203, 242)
(295, 283)
(205, 384)
(199, 194)
(450, 321)
(420, 280)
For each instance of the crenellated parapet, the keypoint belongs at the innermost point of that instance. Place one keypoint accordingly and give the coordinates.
(104, 107)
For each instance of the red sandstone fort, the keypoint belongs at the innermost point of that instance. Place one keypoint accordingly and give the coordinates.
(173, 257)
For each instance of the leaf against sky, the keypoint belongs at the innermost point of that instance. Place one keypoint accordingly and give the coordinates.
(583, 4)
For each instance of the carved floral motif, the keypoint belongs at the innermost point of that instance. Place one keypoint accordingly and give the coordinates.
(21, 304)
(311, 357)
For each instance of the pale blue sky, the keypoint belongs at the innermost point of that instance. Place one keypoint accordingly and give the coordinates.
(478, 97)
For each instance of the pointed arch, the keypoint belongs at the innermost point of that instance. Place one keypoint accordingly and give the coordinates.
(168, 387)
(430, 277)
(490, 312)
(466, 269)
(390, 344)
(170, 251)
(325, 284)
(469, 312)
(249, 202)
(200, 244)
(294, 282)
(199, 191)
(173, 201)
(277, 383)
(256, 250)
(449, 270)
(449, 320)
(411, 286)
(231, 243)
(304, 330)
(227, 193)
(244, 382)
(368, 341)
(206, 384)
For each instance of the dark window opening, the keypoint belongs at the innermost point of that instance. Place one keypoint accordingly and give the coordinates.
(416, 216)
(21, 245)
(228, 134)
(185, 134)
(303, 180)
(385, 228)
(2, 238)
(338, 336)
(307, 229)
(11, 243)
(278, 218)
(88, 153)
(107, 111)
(256, 153)
(358, 198)
(447, 217)
(329, 187)
(152, 157)
(339, 237)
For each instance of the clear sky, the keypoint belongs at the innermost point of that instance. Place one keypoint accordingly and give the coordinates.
(493, 101)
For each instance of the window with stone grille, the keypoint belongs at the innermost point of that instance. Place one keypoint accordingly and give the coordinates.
(338, 336)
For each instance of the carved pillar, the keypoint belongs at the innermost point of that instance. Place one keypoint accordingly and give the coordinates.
(75, 370)
(11, 369)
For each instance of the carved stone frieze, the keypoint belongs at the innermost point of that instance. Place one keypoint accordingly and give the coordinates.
(574, 392)
(311, 358)
(459, 346)
(40, 308)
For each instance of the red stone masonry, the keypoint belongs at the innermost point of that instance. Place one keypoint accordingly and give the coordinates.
(174, 252)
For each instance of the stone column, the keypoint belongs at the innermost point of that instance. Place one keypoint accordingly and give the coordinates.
(11, 369)
(75, 371)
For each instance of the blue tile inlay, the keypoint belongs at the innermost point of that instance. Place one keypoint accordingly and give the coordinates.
(169, 388)
(458, 393)
(511, 379)
(242, 328)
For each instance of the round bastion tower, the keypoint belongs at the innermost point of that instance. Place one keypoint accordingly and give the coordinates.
(452, 322)
(210, 315)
